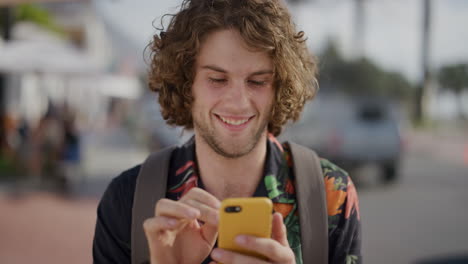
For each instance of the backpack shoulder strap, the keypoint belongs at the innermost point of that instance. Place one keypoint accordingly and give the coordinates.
(312, 203)
(151, 186)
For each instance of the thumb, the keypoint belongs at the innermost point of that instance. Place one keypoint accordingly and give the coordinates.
(278, 231)
(209, 233)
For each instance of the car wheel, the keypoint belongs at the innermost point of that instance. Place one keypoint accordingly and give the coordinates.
(390, 172)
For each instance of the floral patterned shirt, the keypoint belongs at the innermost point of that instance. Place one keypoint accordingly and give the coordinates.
(112, 236)
(278, 185)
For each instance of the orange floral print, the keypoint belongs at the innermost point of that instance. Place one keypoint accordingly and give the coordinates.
(353, 202)
(289, 187)
(289, 161)
(335, 198)
(283, 208)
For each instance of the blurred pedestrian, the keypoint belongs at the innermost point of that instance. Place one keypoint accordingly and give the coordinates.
(7, 145)
(47, 148)
(23, 153)
(71, 153)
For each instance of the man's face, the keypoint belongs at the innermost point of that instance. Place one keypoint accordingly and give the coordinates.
(233, 91)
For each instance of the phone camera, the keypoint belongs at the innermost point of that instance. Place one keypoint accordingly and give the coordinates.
(233, 209)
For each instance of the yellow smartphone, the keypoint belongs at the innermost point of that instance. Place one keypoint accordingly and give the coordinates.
(244, 216)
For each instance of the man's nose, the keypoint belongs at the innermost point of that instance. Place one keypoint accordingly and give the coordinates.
(238, 92)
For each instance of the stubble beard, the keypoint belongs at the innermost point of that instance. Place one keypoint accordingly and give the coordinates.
(233, 150)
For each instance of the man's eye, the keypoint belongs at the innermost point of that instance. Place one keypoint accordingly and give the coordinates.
(257, 83)
(215, 80)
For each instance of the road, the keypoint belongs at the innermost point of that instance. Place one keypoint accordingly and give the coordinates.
(421, 217)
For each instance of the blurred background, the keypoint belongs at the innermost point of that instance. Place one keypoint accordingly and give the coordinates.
(392, 109)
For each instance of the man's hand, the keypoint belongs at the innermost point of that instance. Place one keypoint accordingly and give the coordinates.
(175, 234)
(275, 248)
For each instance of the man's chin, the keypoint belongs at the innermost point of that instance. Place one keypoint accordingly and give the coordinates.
(230, 145)
(233, 150)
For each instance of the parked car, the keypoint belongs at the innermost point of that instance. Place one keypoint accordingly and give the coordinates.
(352, 133)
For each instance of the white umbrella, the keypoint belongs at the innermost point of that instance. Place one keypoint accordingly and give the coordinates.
(46, 57)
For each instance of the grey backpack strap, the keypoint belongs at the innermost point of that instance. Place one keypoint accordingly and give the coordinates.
(150, 187)
(313, 217)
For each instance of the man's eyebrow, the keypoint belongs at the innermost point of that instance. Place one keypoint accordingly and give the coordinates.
(262, 72)
(214, 68)
(218, 69)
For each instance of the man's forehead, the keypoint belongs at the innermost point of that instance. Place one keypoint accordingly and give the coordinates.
(226, 51)
(251, 71)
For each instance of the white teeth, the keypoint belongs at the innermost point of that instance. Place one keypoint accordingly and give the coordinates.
(233, 122)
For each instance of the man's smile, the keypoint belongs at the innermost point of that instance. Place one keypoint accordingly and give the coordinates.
(234, 122)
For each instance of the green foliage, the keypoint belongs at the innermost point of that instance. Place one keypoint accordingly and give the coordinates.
(7, 168)
(361, 76)
(40, 16)
(272, 186)
(351, 259)
(37, 15)
(454, 77)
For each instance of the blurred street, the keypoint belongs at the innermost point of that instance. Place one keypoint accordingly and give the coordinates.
(41, 227)
(416, 219)
(423, 216)
(76, 111)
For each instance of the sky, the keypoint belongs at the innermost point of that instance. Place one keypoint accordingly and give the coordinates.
(392, 28)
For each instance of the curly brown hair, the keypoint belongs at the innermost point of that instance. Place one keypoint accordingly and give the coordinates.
(264, 25)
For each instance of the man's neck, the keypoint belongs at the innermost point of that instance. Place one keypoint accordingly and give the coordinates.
(230, 177)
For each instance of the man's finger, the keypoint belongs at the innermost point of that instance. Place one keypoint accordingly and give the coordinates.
(174, 209)
(209, 233)
(278, 231)
(230, 257)
(264, 246)
(156, 224)
(203, 197)
(207, 214)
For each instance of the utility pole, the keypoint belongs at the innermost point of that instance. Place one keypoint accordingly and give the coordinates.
(359, 29)
(6, 21)
(422, 91)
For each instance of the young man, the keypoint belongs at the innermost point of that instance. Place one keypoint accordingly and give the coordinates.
(235, 71)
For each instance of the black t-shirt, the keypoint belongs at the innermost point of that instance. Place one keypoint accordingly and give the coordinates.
(114, 219)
